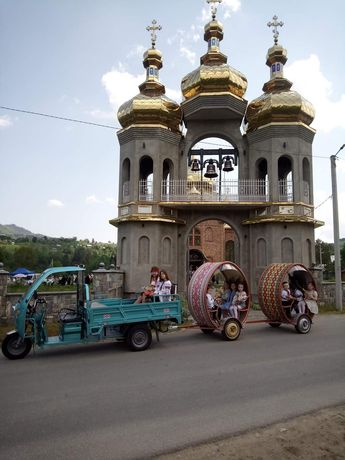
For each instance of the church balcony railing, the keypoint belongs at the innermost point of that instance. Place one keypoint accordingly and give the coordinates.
(145, 190)
(285, 190)
(227, 190)
(254, 190)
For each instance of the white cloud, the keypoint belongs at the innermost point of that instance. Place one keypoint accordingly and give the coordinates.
(92, 199)
(190, 55)
(205, 15)
(121, 85)
(136, 51)
(55, 203)
(311, 83)
(224, 10)
(5, 121)
(231, 6)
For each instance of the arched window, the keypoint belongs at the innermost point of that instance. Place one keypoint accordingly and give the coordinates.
(146, 179)
(287, 250)
(144, 250)
(124, 251)
(262, 176)
(285, 179)
(168, 169)
(166, 251)
(261, 252)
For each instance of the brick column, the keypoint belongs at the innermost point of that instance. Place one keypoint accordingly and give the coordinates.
(3, 291)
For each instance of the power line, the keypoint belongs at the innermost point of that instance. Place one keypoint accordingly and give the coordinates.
(323, 202)
(74, 120)
(57, 117)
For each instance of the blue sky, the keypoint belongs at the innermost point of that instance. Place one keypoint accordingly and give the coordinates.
(81, 59)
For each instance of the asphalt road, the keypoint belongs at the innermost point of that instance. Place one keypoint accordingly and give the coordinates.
(102, 401)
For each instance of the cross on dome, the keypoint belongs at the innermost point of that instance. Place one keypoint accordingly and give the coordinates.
(153, 29)
(214, 7)
(275, 23)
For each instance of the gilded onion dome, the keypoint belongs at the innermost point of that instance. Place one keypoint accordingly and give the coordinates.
(151, 106)
(214, 74)
(278, 104)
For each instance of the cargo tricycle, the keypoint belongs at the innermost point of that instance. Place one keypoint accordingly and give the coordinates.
(90, 320)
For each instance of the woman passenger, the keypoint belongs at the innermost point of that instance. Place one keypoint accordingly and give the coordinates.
(163, 287)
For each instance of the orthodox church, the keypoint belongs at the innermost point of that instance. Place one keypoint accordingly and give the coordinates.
(168, 187)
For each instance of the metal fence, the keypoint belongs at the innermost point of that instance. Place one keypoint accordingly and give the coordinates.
(227, 190)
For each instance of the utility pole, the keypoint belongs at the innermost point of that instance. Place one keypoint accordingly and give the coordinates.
(337, 262)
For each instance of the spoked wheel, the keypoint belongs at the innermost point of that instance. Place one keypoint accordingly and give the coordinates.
(139, 338)
(15, 347)
(207, 331)
(303, 324)
(274, 324)
(232, 329)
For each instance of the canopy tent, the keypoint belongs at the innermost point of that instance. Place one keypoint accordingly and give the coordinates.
(21, 272)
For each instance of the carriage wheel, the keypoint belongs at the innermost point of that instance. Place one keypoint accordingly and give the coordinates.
(303, 325)
(207, 331)
(274, 324)
(232, 329)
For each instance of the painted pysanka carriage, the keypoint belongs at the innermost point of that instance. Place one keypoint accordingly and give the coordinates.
(215, 273)
(269, 296)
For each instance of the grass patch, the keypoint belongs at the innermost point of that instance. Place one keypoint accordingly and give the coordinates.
(52, 327)
(324, 309)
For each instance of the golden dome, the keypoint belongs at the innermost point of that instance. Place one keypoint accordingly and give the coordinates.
(150, 110)
(151, 106)
(278, 104)
(214, 74)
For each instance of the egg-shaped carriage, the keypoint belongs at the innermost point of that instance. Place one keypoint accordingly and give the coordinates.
(214, 274)
(270, 295)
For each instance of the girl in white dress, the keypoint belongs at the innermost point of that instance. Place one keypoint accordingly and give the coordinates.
(163, 287)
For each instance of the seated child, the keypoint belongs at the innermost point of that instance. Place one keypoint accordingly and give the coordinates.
(286, 295)
(212, 303)
(227, 297)
(146, 295)
(310, 297)
(299, 304)
(239, 301)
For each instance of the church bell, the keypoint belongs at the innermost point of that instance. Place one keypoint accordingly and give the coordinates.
(195, 165)
(210, 170)
(228, 164)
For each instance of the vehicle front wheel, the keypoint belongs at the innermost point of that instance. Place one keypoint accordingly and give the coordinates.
(139, 338)
(207, 331)
(303, 325)
(15, 347)
(274, 324)
(232, 329)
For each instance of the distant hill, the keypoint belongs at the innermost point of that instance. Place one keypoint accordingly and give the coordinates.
(14, 231)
